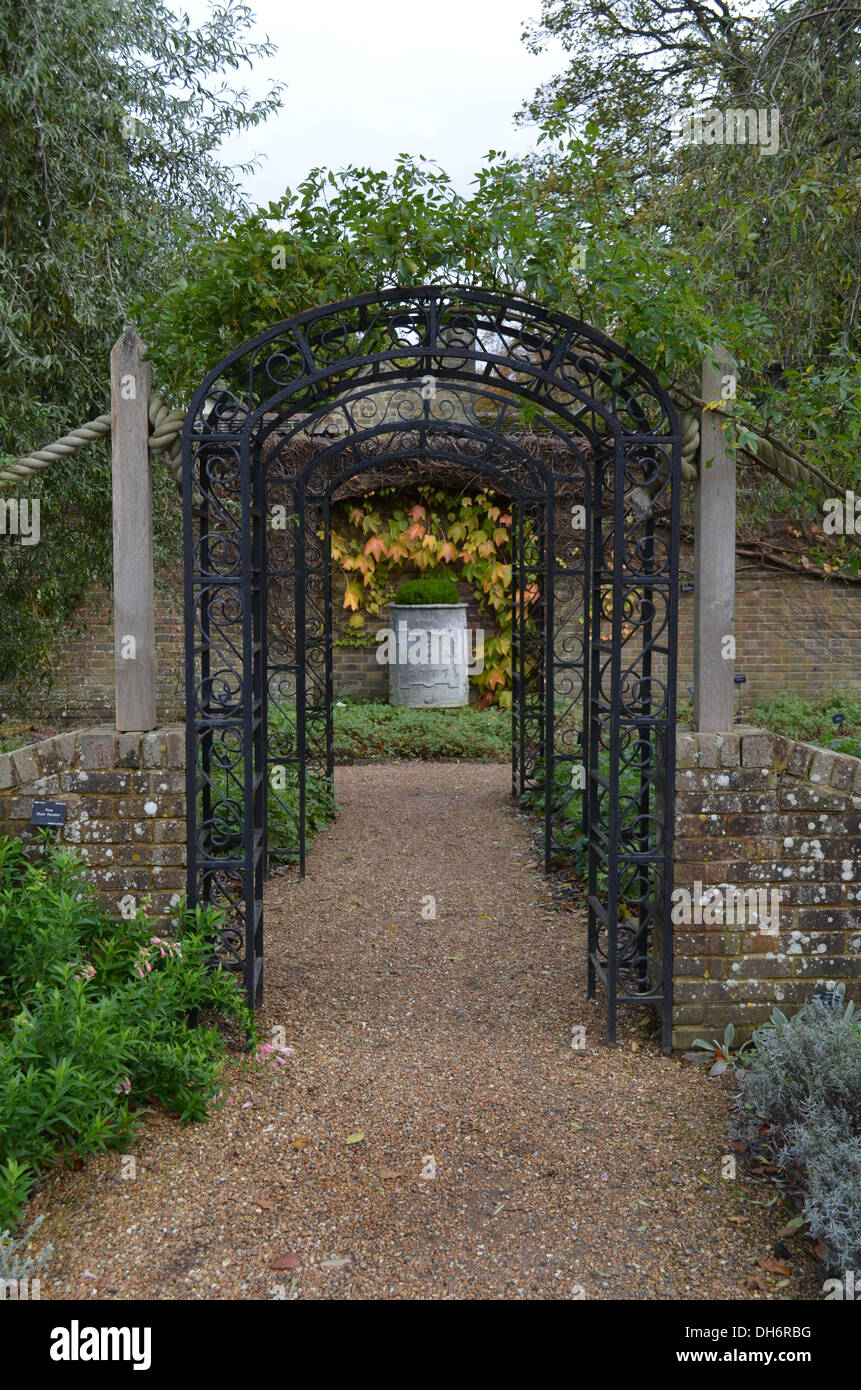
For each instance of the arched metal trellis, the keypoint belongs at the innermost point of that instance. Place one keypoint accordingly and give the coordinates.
(585, 445)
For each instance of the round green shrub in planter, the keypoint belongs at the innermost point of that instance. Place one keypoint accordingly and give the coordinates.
(438, 590)
(427, 652)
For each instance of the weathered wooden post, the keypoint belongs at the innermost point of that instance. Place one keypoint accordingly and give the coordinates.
(714, 555)
(134, 621)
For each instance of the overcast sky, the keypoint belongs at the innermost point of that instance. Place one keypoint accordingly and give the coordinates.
(366, 81)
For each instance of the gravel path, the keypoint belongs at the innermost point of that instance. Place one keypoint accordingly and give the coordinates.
(496, 1161)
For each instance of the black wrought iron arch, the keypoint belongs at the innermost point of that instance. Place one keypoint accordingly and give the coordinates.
(513, 365)
(533, 503)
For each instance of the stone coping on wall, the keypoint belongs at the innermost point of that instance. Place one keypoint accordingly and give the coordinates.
(749, 746)
(125, 807)
(758, 811)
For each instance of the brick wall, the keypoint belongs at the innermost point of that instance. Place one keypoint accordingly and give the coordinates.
(756, 811)
(83, 663)
(125, 799)
(793, 634)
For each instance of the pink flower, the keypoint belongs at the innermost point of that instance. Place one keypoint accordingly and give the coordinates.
(87, 973)
(268, 1052)
(166, 948)
(124, 1085)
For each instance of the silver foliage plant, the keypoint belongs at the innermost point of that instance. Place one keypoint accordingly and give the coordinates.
(16, 1263)
(803, 1077)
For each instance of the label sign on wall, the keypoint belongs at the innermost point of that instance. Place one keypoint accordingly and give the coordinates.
(48, 813)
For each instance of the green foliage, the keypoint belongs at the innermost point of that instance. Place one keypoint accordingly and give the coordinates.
(283, 791)
(717, 1055)
(439, 588)
(112, 119)
(376, 731)
(94, 1019)
(344, 233)
(770, 238)
(637, 259)
(813, 721)
(571, 845)
(283, 810)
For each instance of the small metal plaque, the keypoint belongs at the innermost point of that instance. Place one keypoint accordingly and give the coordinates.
(48, 813)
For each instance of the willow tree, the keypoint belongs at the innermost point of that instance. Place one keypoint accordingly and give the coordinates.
(112, 113)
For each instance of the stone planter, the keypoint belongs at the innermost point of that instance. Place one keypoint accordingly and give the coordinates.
(429, 655)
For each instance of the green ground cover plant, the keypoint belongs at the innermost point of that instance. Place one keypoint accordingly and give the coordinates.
(95, 1018)
(368, 729)
(832, 721)
(571, 844)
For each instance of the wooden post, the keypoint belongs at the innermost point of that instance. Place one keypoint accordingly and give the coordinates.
(134, 620)
(714, 555)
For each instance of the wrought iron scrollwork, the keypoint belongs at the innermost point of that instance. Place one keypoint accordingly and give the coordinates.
(582, 440)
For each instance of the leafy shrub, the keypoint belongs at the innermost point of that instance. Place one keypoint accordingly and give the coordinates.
(95, 1018)
(802, 1078)
(282, 801)
(571, 845)
(283, 810)
(825, 1147)
(437, 588)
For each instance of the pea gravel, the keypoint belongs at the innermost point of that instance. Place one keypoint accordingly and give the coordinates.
(435, 1135)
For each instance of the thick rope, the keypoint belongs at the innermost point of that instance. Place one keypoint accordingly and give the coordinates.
(166, 428)
(69, 444)
(690, 423)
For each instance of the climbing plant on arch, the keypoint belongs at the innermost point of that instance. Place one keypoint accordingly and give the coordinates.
(584, 443)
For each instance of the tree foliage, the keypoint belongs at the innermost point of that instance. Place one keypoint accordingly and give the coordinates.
(779, 232)
(112, 115)
(566, 226)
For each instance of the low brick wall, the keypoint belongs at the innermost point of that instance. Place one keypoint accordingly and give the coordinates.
(753, 812)
(125, 799)
(757, 811)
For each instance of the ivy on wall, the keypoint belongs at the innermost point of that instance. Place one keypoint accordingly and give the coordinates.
(378, 536)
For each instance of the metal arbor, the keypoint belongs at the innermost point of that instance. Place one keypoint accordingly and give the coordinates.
(585, 444)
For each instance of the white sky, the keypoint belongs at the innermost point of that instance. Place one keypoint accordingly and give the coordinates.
(367, 81)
